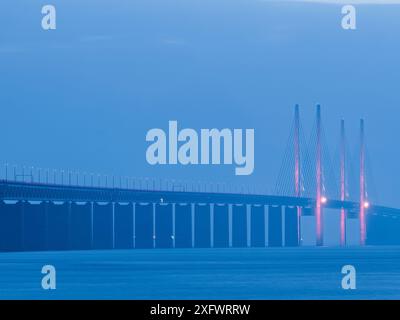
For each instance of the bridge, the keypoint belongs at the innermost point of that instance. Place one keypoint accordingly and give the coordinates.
(44, 211)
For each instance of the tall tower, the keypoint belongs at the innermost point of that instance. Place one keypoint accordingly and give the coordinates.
(363, 229)
(297, 183)
(342, 183)
(318, 205)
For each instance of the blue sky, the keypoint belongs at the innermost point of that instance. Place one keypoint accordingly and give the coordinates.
(83, 97)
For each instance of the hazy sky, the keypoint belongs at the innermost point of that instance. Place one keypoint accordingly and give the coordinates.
(83, 97)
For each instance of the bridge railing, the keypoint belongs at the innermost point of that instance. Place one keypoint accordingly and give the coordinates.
(57, 177)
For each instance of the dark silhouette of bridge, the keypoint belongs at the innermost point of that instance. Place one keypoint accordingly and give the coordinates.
(47, 212)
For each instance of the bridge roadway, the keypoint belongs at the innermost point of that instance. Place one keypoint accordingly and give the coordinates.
(10, 190)
(36, 216)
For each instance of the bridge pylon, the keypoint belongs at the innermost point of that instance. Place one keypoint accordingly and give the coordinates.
(297, 167)
(343, 190)
(363, 202)
(318, 173)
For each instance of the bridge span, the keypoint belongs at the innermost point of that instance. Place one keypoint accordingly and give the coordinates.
(61, 216)
(38, 216)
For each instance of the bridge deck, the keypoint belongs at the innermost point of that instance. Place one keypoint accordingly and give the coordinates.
(11, 190)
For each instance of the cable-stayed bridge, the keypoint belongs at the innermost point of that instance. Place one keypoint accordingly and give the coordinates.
(44, 210)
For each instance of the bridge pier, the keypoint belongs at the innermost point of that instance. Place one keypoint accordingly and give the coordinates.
(57, 225)
(202, 225)
(221, 226)
(183, 225)
(275, 226)
(258, 226)
(34, 226)
(383, 229)
(123, 223)
(103, 225)
(144, 226)
(164, 228)
(11, 226)
(291, 227)
(239, 225)
(80, 226)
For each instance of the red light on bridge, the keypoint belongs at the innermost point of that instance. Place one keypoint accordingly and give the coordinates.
(366, 204)
(324, 200)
